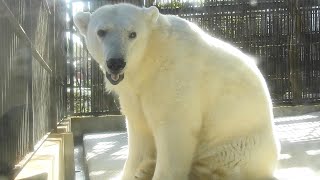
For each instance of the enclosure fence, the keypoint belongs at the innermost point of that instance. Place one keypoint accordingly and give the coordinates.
(282, 35)
(32, 81)
(47, 72)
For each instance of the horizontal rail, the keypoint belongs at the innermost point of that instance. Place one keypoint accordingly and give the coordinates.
(24, 162)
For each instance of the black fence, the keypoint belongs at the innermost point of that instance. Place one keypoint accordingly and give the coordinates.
(32, 81)
(282, 35)
(47, 72)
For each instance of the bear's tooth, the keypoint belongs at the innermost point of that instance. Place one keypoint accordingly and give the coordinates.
(115, 77)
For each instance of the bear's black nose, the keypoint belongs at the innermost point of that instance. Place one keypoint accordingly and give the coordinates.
(115, 65)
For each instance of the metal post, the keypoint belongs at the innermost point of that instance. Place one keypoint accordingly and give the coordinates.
(30, 93)
(53, 118)
(71, 58)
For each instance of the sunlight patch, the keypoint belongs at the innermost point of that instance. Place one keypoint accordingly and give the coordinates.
(295, 118)
(313, 152)
(117, 177)
(299, 132)
(285, 156)
(100, 148)
(97, 173)
(296, 173)
(121, 154)
(100, 136)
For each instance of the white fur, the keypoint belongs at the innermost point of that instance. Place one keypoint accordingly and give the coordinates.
(196, 107)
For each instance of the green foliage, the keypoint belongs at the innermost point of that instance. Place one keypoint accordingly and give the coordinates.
(177, 4)
(173, 4)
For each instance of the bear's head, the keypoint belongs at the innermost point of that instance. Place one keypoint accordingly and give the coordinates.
(117, 36)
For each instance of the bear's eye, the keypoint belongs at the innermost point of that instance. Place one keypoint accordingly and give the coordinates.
(132, 35)
(101, 33)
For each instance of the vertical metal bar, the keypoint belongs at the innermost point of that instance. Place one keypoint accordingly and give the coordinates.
(87, 80)
(314, 74)
(311, 69)
(6, 51)
(316, 71)
(91, 84)
(306, 53)
(53, 118)
(280, 60)
(98, 91)
(28, 23)
(75, 57)
(80, 72)
(71, 57)
(65, 67)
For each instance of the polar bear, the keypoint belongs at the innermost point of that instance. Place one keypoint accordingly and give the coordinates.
(197, 108)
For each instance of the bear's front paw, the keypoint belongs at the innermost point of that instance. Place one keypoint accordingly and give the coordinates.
(127, 175)
(145, 170)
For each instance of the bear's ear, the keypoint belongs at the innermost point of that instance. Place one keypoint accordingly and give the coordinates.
(152, 13)
(81, 20)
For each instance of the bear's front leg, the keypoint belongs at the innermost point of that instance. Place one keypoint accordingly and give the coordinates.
(141, 147)
(176, 142)
(146, 169)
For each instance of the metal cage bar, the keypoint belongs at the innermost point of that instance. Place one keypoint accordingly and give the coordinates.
(32, 57)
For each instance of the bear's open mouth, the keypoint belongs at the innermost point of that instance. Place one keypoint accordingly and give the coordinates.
(114, 79)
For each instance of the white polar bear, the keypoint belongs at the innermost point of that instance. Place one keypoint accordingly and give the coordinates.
(197, 108)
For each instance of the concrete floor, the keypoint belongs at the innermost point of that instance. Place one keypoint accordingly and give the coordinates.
(300, 147)
(80, 163)
(300, 156)
(105, 154)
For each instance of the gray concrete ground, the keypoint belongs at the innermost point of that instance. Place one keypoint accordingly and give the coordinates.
(300, 156)
(300, 143)
(105, 154)
(80, 163)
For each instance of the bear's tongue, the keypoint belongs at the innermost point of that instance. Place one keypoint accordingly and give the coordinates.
(115, 77)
